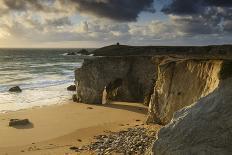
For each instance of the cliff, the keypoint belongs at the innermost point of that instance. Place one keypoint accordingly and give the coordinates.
(180, 83)
(193, 84)
(194, 52)
(125, 78)
(202, 128)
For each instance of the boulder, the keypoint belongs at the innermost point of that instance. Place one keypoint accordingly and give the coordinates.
(204, 128)
(19, 122)
(71, 88)
(15, 89)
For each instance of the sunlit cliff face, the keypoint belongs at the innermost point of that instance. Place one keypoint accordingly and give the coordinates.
(93, 23)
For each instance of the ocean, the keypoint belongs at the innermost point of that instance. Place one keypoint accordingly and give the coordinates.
(42, 74)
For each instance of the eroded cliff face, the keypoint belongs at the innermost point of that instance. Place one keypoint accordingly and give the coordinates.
(125, 78)
(180, 83)
(202, 128)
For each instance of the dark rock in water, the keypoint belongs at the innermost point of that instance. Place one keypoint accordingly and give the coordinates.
(83, 52)
(72, 53)
(74, 98)
(71, 88)
(19, 122)
(15, 89)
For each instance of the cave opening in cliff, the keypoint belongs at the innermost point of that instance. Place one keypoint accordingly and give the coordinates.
(111, 91)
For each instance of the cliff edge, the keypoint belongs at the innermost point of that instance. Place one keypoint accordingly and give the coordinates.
(202, 128)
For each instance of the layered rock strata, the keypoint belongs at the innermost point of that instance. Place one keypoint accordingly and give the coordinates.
(202, 128)
(180, 83)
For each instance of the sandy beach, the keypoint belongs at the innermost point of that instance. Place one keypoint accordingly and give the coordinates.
(56, 128)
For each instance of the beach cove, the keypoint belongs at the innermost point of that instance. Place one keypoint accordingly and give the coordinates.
(56, 128)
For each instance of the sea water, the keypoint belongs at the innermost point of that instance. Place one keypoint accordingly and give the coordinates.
(42, 74)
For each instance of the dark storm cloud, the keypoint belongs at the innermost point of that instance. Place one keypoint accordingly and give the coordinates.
(205, 16)
(188, 7)
(182, 7)
(119, 10)
(221, 3)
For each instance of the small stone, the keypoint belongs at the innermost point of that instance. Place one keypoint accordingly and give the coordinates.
(74, 148)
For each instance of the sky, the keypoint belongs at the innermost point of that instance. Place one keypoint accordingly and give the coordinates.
(97, 23)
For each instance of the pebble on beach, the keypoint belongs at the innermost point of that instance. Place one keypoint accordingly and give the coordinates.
(130, 141)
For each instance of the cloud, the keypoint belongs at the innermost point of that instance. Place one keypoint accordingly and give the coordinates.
(190, 7)
(119, 10)
(59, 21)
(200, 17)
(23, 5)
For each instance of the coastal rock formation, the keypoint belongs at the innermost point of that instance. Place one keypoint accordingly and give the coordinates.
(180, 83)
(124, 78)
(202, 128)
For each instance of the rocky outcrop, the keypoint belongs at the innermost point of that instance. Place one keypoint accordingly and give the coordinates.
(124, 78)
(202, 128)
(180, 83)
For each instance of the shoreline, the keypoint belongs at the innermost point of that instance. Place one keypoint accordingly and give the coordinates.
(28, 99)
(61, 126)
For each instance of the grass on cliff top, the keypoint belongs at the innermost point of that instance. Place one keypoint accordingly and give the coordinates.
(226, 70)
(125, 50)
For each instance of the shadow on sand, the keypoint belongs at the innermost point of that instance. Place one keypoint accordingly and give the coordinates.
(128, 106)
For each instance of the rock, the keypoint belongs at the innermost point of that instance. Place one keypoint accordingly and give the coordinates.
(71, 53)
(15, 89)
(181, 83)
(203, 128)
(71, 88)
(127, 79)
(128, 141)
(74, 98)
(83, 52)
(73, 148)
(19, 122)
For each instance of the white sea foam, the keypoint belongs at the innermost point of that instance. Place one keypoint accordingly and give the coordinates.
(42, 74)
